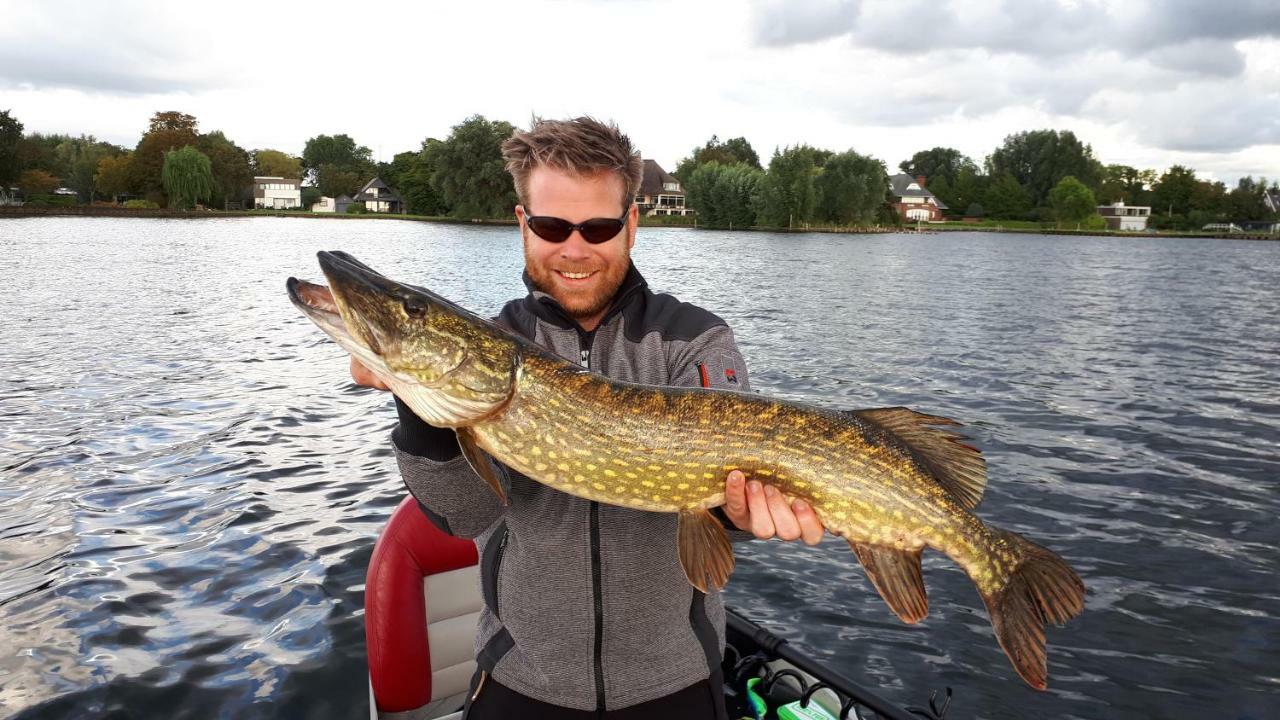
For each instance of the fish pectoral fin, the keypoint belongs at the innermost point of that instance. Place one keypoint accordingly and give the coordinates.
(480, 462)
(896, 576)
(705, 551)
(955, 464)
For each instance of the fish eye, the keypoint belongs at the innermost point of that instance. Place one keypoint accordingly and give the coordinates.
(414, 308)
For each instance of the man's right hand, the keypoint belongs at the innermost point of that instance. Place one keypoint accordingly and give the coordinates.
(365, 377)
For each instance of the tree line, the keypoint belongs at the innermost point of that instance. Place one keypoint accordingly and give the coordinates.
(1038, 175)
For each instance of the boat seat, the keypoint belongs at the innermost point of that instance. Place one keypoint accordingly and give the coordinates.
(422, 603)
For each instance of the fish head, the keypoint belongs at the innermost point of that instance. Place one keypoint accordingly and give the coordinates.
(450, 366)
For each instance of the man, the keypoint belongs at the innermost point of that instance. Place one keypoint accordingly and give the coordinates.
(587, 611)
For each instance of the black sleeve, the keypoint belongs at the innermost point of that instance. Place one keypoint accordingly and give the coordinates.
(416, 437)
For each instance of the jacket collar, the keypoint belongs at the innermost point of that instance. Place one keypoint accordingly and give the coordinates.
(546, 307)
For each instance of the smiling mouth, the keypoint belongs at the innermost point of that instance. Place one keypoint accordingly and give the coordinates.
(576, 275)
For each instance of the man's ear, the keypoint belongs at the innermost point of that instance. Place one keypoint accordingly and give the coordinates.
(633, 222)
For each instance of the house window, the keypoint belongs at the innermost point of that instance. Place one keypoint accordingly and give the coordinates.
(671, 187)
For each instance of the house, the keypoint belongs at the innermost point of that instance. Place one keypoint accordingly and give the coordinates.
(1125, 217)
(660, 192)
(912, 201)
(332, 205)
(277, 193)
(379, 198)
(1272, 199)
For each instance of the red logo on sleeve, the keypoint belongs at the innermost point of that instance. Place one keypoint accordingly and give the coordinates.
(730, 376)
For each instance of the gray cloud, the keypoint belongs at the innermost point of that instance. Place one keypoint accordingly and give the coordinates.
(108, 49)
(780, 23)
(1171, 72)
(1037, 28)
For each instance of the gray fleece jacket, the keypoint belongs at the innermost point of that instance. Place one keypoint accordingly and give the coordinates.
(586, 605)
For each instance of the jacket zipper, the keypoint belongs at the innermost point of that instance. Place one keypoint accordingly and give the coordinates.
(585, 340)
(497, 571)
(598, 593)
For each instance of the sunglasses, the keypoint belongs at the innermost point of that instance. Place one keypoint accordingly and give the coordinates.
(594, 231)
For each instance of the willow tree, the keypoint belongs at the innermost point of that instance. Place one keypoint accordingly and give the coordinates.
(187, 177)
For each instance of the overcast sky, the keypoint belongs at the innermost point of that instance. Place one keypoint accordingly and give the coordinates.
(1148, 83)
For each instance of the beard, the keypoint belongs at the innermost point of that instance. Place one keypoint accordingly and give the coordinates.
(580, 303)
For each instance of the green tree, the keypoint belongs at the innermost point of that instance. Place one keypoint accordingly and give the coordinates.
(341, 153)
(334, 180)
(942, 190)
(167, 131)
(788, 194)
(10, 137)
(1172, 193)
(274, 163)
(232, 172)
(469, 171)
(1122, 183)
(851, 187)
(414, 181)
(729, 152)
(1006, 200)
(1247, 199)
(936, 163)
(1038, 159)
(1072, 202)
(37, 182)
(75, 160)
(187, 176)
(725, 195)
(969, 187)
(112, 178)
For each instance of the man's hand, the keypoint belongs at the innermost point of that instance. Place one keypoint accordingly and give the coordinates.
(365, 377)
(762, 511)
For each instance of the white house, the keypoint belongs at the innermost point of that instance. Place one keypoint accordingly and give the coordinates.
(1125, 217)
(277, 192)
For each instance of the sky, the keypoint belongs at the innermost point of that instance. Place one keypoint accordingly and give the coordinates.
(1147, 83)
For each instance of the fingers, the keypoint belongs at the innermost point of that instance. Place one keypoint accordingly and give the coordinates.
(365, 377)
(811, 528)
(761, 519)
(735, 500)
(785, 525)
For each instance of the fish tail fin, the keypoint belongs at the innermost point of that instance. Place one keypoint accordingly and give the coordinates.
(1042, 588)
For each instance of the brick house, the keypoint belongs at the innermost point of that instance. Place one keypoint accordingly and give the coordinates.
(660, 192)
(912, 201)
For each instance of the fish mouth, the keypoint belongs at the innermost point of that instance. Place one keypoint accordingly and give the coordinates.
(317, 303)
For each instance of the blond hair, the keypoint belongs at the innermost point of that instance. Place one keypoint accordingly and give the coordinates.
(581, 146)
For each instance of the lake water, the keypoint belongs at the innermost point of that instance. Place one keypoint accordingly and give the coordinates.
(190, 486)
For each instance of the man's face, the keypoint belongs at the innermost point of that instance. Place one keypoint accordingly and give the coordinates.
(582, 277)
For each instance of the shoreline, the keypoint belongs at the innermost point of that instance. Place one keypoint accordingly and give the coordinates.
(119, 212)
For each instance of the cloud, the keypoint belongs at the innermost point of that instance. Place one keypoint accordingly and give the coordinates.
(116, 48)
(780, 23)
(1037, 28)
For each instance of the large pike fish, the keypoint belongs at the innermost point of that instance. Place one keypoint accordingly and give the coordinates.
(890, 481)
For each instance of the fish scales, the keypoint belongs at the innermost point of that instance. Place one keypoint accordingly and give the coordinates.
(891, 481)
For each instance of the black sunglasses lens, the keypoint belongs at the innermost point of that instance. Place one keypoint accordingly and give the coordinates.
(551, 229)
(600, 230)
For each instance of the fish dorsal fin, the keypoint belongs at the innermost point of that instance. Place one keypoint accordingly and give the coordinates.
(896, 576)
(705, 552)
(480, 462)
(956, 465)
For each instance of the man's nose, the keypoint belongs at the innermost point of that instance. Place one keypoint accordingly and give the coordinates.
(575, 246)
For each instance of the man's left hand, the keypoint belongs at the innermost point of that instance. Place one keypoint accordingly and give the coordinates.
(764, 512)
